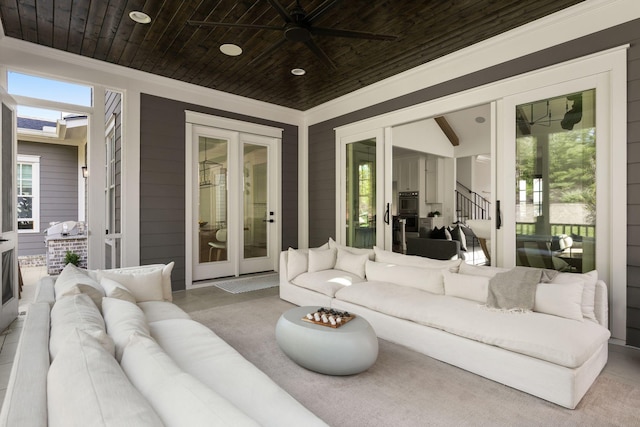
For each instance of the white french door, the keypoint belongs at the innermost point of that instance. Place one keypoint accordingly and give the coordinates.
(8, 218)
(234, 198)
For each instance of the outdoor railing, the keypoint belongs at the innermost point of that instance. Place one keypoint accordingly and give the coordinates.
(584, 230)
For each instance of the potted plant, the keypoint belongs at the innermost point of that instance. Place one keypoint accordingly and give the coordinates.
(71, 258)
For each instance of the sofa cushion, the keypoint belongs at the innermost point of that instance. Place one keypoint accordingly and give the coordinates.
(357, 251)
(560, 299)
(558, 340)
(162, 310)
(198, 351)
(474, 288)
(297, 263)
(177, 397)
(164, 283)
(321, 259)
(480, 270)
(113, 289)
(351, 263)
(72, 277)
(415, 261)
(76, 312)
(123, 319)
(327, 282)
(87, 387)
(426, 279)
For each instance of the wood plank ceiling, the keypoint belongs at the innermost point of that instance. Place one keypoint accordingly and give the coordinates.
(169, 47)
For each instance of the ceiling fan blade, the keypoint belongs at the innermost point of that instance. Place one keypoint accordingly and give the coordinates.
(230, 25)
(281, 10)
(320, 54)
(350, 34)
(268, 52)
(320, 10)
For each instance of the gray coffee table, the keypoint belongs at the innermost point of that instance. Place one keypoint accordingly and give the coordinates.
(349, 349)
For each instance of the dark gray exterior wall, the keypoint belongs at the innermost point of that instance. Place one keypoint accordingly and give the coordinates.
(322, 208)
(162, 181)
(58, 190)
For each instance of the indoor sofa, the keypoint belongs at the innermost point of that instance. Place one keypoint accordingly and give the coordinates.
(109, 348)
(438, 308)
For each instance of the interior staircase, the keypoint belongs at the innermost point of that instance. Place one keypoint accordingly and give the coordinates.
(471, 205)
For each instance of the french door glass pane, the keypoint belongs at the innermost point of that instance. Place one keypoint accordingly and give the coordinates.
(361, 194)
(555, 188)
(255, 158)
(212, 201)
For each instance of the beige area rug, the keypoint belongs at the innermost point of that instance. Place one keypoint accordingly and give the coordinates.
(405, 388)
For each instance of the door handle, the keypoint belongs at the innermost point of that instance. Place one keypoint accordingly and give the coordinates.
(4, 240)
(386, 214)
(498, 215)
(268, 220)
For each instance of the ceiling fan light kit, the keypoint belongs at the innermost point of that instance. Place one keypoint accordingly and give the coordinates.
(299, 28)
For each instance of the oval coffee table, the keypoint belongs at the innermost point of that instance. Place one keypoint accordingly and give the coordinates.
(349, 349)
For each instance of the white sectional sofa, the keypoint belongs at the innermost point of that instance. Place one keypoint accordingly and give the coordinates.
(108, 348)
(438, 308)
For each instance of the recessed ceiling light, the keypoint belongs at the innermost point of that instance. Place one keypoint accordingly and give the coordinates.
(139, 17)
(298, 72)
(231, 49)
(480, 119)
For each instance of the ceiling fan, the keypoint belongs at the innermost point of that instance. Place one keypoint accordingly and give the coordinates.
(298, 28)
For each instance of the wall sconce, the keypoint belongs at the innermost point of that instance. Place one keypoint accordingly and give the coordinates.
(85, 171)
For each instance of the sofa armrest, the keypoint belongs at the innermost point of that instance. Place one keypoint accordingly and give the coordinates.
(602, 304)
(433, 248)
(45, 291)
(25, 402)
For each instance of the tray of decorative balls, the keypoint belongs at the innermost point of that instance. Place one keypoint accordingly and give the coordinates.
(329, 317)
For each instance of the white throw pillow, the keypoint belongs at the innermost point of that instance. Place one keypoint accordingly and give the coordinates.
(297, 263)
(414, 260)
(87, 387)
(321, 259)
(351, 263)
(123, 319)
(114, 289)
(357, 251)
(588, 292)
(72, 276)
(179, 398)
(76, 312)
(165, 270)
(474, 288)
(143, 285)
(480, 270)
(560, 299)
(425, 279)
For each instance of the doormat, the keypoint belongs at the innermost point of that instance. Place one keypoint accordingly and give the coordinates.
(247, 284)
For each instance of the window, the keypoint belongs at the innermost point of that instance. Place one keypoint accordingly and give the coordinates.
(28, 190)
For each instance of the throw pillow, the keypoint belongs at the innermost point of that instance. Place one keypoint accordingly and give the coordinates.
(76, 312)
(414, 260)
(351, 263)
(589, 281)
(71, 277)
(297, 263)
(439, 233)
(114, 289)
(425, 279)
(357, 251)
(474, 288)
(86, 386)
(564, 300)
(321, 259)
(123, 319)
(144, 285)
(458, 234)
(178, 398)
(141, 270)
